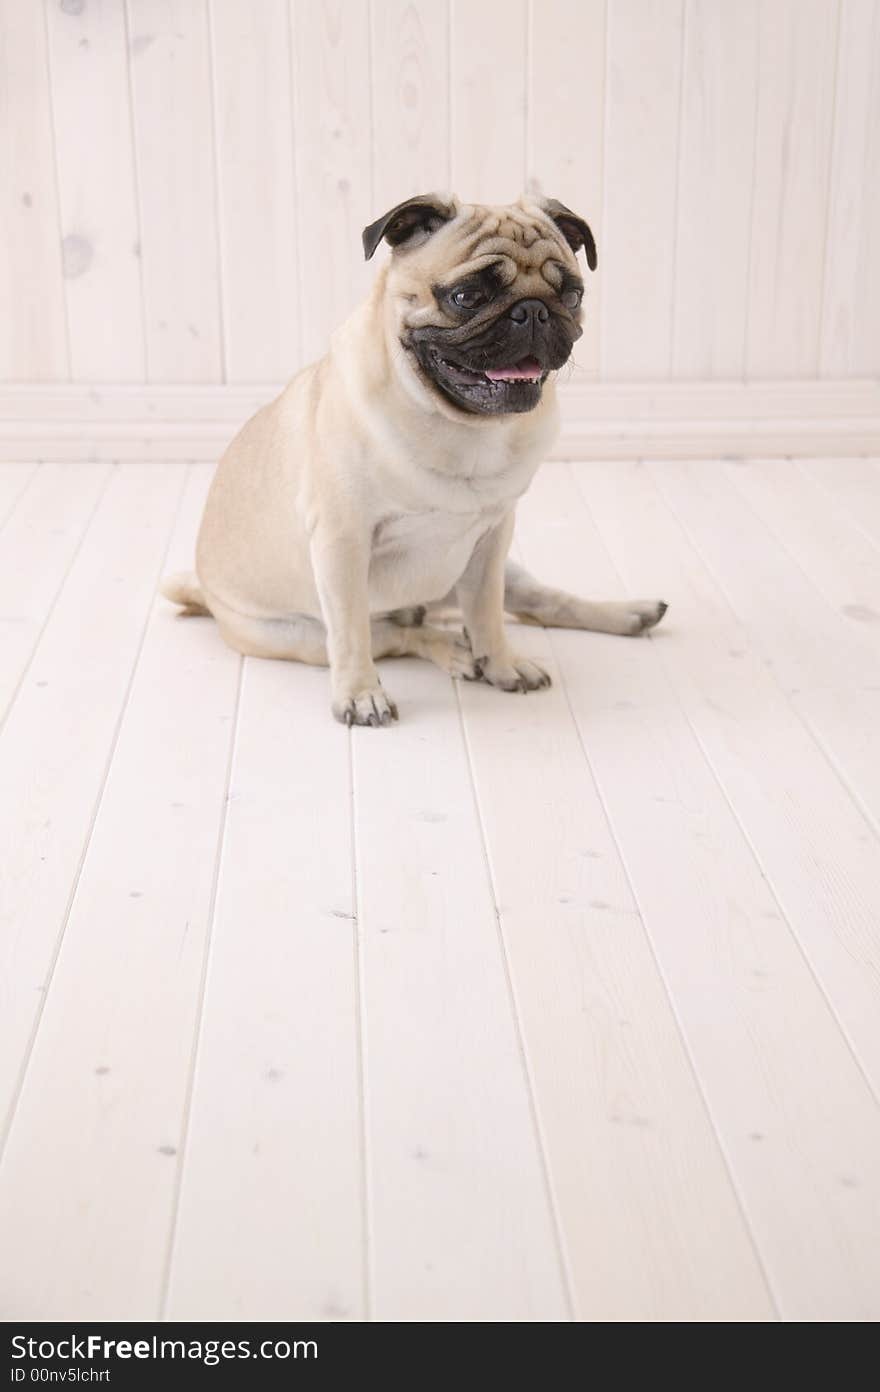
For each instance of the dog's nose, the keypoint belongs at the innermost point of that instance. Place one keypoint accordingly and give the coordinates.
(530, 311)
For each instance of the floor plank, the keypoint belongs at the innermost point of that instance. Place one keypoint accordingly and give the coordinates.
(59, 735)
(795, 1117)
(813, 842)
(40, 541)
(521, 1010)
(797, 627)
(108, 1074)
(852, 486)
(279, 1031)
(460, 1223)
(651, 1223)
(14, 479)
(834, 555)
(846, 725)
(830, 525)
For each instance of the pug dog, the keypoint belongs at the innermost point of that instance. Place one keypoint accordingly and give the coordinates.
(383, 481)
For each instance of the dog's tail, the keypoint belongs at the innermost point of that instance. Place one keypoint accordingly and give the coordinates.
(183, 588)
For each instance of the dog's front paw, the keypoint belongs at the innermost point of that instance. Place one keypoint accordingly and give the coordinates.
(369, 706)
(512, 673)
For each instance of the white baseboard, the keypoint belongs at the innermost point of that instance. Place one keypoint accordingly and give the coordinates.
(600, 421)
(695, 420)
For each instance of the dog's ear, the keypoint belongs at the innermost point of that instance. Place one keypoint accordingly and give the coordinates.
(573, 228)
(422, 214)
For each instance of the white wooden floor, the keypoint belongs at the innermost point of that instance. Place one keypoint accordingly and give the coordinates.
(527, 1009)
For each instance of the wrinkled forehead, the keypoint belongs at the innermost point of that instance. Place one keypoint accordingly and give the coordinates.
(519, 241)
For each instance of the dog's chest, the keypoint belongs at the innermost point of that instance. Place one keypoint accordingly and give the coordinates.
(417, 556)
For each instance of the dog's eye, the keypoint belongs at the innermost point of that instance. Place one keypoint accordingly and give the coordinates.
(571, 298)
(468, 297)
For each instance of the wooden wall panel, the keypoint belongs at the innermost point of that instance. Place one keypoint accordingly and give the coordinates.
(565, 131)
(174, 140)
(797, 43)
(410, 98)
(33, 333)
(94, 160)
(185, 182)
(256, 189)
(488, 100)
(333, 128)
(716, 162)
(643, 84)
(851, 308)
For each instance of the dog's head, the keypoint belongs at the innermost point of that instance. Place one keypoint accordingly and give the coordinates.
(485, 301)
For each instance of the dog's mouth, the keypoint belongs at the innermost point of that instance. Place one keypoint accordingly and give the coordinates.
(526, 370)
(506, 387)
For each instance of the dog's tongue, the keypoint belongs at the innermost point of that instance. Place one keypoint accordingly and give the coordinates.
(526, 370)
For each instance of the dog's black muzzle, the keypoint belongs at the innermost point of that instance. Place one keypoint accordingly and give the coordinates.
(501, 367)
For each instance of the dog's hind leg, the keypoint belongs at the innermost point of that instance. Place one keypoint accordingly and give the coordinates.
(529, 600)
(295, 638)
(412, 617)
(299, 638)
